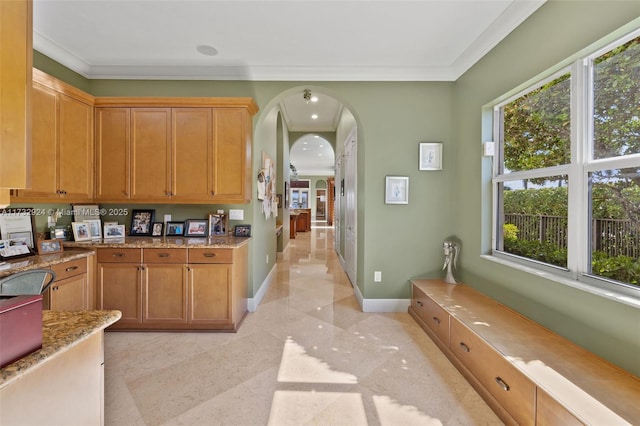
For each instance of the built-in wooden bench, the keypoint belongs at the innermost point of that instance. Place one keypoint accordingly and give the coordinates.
(526, 373)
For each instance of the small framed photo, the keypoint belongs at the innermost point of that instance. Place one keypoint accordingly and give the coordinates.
(49, 246)
(175, 229)
(95, 228)
(397, 190)
(279, 200)
(242, 231)
(81, 231)
(196, 228)
(113, 230)
(60, 233)
(430, 156)
(141, 222)
(217, 224)
(82, 213)
(158, 229)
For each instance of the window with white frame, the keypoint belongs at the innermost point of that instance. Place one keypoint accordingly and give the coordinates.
(567, 171)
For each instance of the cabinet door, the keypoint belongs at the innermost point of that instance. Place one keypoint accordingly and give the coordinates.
(165, 294)
(209, 293)
(192, 151)
(44, 155)
(113, 128)
(232, 155)
(75, 149)
(120, 288)
(150, 154)
(69, 294)
(15, 80)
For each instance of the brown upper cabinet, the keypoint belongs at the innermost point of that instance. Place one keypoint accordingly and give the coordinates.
(176, 150)
(62, 143)
(15, 96)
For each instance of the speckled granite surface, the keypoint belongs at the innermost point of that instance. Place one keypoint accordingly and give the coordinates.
(60, 331)
(161, 242)
(44, 261)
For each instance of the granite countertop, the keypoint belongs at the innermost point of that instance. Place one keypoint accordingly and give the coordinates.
(161, 242)
(13, 266)
(60, 332)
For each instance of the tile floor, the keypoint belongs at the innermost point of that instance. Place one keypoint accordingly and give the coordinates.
(307, 356)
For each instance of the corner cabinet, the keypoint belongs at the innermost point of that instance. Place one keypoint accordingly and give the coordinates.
(62, 143)
(174, 150)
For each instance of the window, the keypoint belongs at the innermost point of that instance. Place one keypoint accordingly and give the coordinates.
(567, 171)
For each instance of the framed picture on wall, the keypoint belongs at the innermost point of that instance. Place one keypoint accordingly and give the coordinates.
(430, 156)
(397, 190)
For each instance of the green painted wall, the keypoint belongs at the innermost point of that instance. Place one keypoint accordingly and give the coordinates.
(555, 32)
(404, 241)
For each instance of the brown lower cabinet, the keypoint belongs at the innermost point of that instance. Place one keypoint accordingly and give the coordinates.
(174, 288)
(71, 291)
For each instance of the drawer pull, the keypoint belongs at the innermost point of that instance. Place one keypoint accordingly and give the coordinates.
(436, 320)
(163, 255)
(419, 303)
(209, 255)
(71, 268)
(118, 255)
(502, 384)
(465, 347)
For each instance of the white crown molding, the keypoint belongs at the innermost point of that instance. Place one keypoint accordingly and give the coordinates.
(56, 52)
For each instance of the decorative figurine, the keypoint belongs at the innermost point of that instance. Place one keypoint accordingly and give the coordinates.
(451, 252)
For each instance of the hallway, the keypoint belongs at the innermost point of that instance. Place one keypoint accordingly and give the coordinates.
(307, 356)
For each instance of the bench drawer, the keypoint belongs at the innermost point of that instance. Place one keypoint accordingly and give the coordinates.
(497, 375)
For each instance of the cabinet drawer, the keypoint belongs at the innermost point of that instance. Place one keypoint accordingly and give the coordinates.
(510, 387)
(436, 318)
(551, 412)
(160, 255)
(70, 269)
(210, 255)
(119, 255)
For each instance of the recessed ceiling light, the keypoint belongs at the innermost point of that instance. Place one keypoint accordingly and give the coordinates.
(314, 99)
(314, 116)
(207, 50)
(319, 155)
(316, 136)
(321, 146)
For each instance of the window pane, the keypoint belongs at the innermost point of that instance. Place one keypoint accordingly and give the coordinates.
(537, 128)
(616, 114)
(534, 219)
(614, 197)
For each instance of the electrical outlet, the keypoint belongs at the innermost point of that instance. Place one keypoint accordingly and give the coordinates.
(167, 218)
(377, 276)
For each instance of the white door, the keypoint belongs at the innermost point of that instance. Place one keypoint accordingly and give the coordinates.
(350, 208)
(337, 207)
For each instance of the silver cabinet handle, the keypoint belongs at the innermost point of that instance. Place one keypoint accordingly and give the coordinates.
(164, 255)
(436, 320)
(71, 268)
(502, 383)
(209, 255)
(465, 347)
(118, 255)
(419, 303)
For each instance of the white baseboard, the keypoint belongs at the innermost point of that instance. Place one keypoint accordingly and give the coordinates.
(380, 305)
(253, 302)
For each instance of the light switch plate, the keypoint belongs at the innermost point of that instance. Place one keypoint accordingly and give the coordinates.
(167, 218)
(236, 214)
(488, 149)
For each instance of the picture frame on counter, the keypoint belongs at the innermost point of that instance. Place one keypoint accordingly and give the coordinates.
(18, 224)
(81, 231)
(141, 222)
(95, 228)
(158, 229)
(84, 212)
(217, 224)
(196, 228)
(113, 230)
(175, 229)
(50, 246)
(242, 231)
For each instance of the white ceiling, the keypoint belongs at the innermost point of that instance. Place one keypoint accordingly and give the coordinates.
(290, 40)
